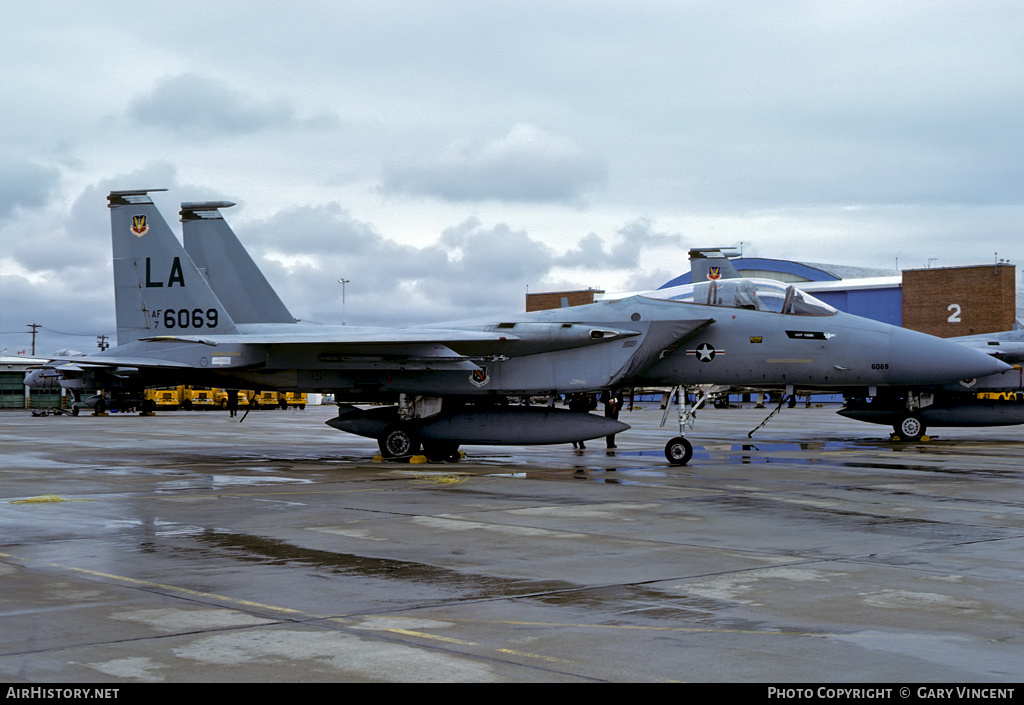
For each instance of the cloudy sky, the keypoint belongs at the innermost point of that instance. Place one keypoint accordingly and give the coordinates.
(447, 156)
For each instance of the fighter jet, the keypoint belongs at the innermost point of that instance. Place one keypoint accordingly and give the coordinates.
(993, 400)
(451, 384)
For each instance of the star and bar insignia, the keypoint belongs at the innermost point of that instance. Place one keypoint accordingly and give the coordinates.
(706, 352)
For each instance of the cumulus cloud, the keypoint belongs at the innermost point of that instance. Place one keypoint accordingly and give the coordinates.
(527, 164)
(24, 184)
(472, 270)
(203, 106)
(624, 252)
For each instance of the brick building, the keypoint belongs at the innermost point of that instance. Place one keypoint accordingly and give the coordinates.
(561, 299)
(954, 301)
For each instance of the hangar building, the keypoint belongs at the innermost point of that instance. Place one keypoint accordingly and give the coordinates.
(13, 392)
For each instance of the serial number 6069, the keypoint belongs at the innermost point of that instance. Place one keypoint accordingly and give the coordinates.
(189, 318)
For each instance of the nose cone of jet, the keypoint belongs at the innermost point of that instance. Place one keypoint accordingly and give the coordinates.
(918, 358)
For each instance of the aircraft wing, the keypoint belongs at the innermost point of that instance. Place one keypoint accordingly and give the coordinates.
(1007, 346)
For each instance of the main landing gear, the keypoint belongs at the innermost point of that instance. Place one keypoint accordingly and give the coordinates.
(909, 428)
(400, 440)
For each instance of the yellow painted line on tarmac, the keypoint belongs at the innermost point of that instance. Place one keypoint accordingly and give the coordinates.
(46, 499)
(690, 630)
(160, 586)
(462, 642)
(175, 588)
(433, 637)
(526, 654)
(638, 627)
(227, 493)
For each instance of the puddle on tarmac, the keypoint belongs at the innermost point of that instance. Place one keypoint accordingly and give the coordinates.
(657, 606)
(213, 482)
(263, 551)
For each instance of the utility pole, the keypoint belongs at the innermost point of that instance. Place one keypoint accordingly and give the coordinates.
(101, 342)
(34, 327)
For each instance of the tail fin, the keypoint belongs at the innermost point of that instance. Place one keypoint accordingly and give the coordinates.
(711, 263)
(158, 290)
(230, 271)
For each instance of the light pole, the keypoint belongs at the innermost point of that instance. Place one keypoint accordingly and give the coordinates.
(343, 282)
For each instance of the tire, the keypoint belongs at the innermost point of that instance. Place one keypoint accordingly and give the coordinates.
(678, 451)
(441, 451)
(398, 441)
(909, 428)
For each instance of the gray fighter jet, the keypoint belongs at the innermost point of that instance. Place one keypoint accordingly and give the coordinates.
(993, 400)
(451, 384)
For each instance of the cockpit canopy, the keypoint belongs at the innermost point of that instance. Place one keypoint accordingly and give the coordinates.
(752, 294)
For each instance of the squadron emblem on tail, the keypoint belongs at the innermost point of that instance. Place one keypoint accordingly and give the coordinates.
(139, 226)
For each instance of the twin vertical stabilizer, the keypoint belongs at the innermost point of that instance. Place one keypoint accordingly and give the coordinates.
(711, 263)
(158, 290)
(230, 271)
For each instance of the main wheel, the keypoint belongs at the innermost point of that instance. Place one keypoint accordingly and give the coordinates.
(397, 441)
(441, 451)
(909, 428)
(678, 451)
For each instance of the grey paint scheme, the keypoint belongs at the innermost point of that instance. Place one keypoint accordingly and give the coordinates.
(704, 260)
(942, 405)
(174, 329)
(231, 272)
(958, 403)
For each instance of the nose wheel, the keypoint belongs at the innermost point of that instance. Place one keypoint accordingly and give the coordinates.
(678, 451)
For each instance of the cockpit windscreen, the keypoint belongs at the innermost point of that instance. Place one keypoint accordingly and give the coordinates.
(752, 294)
